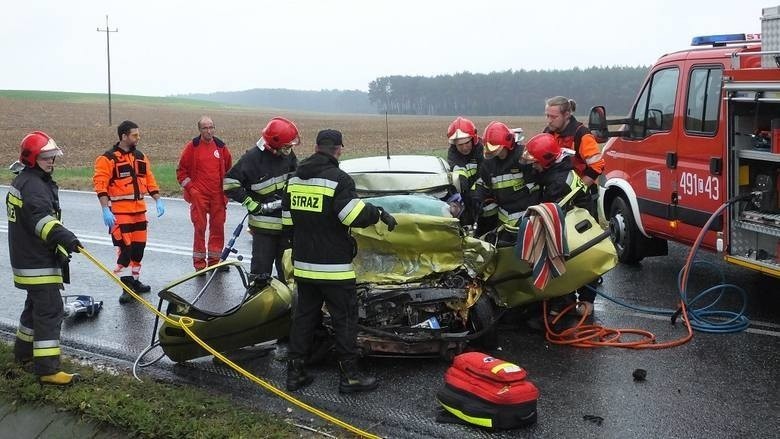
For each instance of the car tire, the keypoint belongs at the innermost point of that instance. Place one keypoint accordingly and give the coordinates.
(624, 231)
(481, 316)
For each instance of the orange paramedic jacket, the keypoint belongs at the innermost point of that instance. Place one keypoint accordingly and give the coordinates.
(588, 160)
(124, 177)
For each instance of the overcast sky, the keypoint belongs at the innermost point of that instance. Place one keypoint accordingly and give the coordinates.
(167, 47)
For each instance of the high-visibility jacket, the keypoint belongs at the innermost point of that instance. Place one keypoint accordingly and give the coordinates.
(261, 175)
(505, 187)
(204, 164)
(320, 205)
(466, 165)
(124, 177)
(36, 237)
(587, 160)
(557, 181)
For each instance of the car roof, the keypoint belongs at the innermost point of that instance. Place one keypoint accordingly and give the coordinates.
(404, 164)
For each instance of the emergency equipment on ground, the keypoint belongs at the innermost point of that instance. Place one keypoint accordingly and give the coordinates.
(488, 392)
(81, 306)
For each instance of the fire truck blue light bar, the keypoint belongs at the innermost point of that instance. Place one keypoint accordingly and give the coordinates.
(718, 40)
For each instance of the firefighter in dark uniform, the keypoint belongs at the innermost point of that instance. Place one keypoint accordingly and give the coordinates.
(320, 205)
(464, 157)
(505, 186)
(40, 247)
(556, 177)
(257, 181)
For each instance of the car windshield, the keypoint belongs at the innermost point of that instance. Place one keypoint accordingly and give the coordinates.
(419, 204)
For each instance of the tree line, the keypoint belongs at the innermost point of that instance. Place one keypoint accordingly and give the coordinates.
(511, 92)
(519, 92)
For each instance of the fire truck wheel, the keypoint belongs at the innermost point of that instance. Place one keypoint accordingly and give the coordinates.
(625, 233)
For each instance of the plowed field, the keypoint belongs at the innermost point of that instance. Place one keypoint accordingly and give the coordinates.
(81, 128)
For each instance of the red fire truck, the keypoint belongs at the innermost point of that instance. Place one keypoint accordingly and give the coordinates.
(703, 131)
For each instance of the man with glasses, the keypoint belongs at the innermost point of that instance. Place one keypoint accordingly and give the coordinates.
(123, 175)
(202, 167)
(464, 157)
(257, 181)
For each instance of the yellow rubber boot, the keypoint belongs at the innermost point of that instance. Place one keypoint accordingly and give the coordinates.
(59, 378)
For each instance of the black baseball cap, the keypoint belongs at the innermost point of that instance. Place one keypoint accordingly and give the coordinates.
(329, 138)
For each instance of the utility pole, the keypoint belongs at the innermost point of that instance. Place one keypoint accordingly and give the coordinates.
(108, 31)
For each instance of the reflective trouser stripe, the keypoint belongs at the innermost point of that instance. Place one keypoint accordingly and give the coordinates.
(322, 275)
(37, 280)
(46, 352)
(21, 335)
(46, 348)
(323, 271)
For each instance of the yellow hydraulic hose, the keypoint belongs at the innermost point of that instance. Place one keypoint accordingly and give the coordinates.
(185, 322)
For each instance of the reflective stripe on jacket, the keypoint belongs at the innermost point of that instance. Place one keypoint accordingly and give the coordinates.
(124, 177)
(261, 175)
(559, 180)
(318, 208)
(35, 233)
(509, 184)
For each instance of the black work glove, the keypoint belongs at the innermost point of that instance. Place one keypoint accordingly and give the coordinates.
(387, 219)
(73, 246)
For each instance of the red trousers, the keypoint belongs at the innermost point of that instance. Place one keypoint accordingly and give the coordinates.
(207, 210)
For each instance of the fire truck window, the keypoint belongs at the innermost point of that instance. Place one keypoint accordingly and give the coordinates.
(659, 95)
(701, 115)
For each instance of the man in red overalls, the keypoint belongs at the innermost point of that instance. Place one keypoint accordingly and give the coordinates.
(202, 165)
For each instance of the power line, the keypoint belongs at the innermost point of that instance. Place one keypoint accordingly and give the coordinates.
(108, 31)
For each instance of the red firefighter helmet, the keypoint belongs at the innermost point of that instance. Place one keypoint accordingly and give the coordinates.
(462, 128)
(279, 133)
(543, 149)
(497, 136)
(37, 145)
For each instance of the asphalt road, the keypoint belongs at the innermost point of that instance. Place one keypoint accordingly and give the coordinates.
(717, 385)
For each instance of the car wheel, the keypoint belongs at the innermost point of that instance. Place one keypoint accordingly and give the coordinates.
(625, 234)
(481, 316)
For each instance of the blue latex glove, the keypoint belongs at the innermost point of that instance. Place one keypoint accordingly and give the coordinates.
(108, 217)
(160, 207)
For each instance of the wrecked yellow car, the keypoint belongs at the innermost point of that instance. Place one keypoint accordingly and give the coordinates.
(428, 287)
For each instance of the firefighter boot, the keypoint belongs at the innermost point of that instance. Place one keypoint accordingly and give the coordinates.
(297, 376)
(139, 287)
(59, 378)
(352, 380)
(128, 281)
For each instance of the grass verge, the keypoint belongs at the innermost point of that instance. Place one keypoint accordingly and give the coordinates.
(148, 409)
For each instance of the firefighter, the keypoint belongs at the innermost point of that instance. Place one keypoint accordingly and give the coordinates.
(257, 181)
(320, 205)
(572, 134)
(123, 175)
(505, 185)
(556, 178)
(40, 247)
(464, 156)
(202, 167)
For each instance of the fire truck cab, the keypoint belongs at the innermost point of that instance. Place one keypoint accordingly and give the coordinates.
(703, 131)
